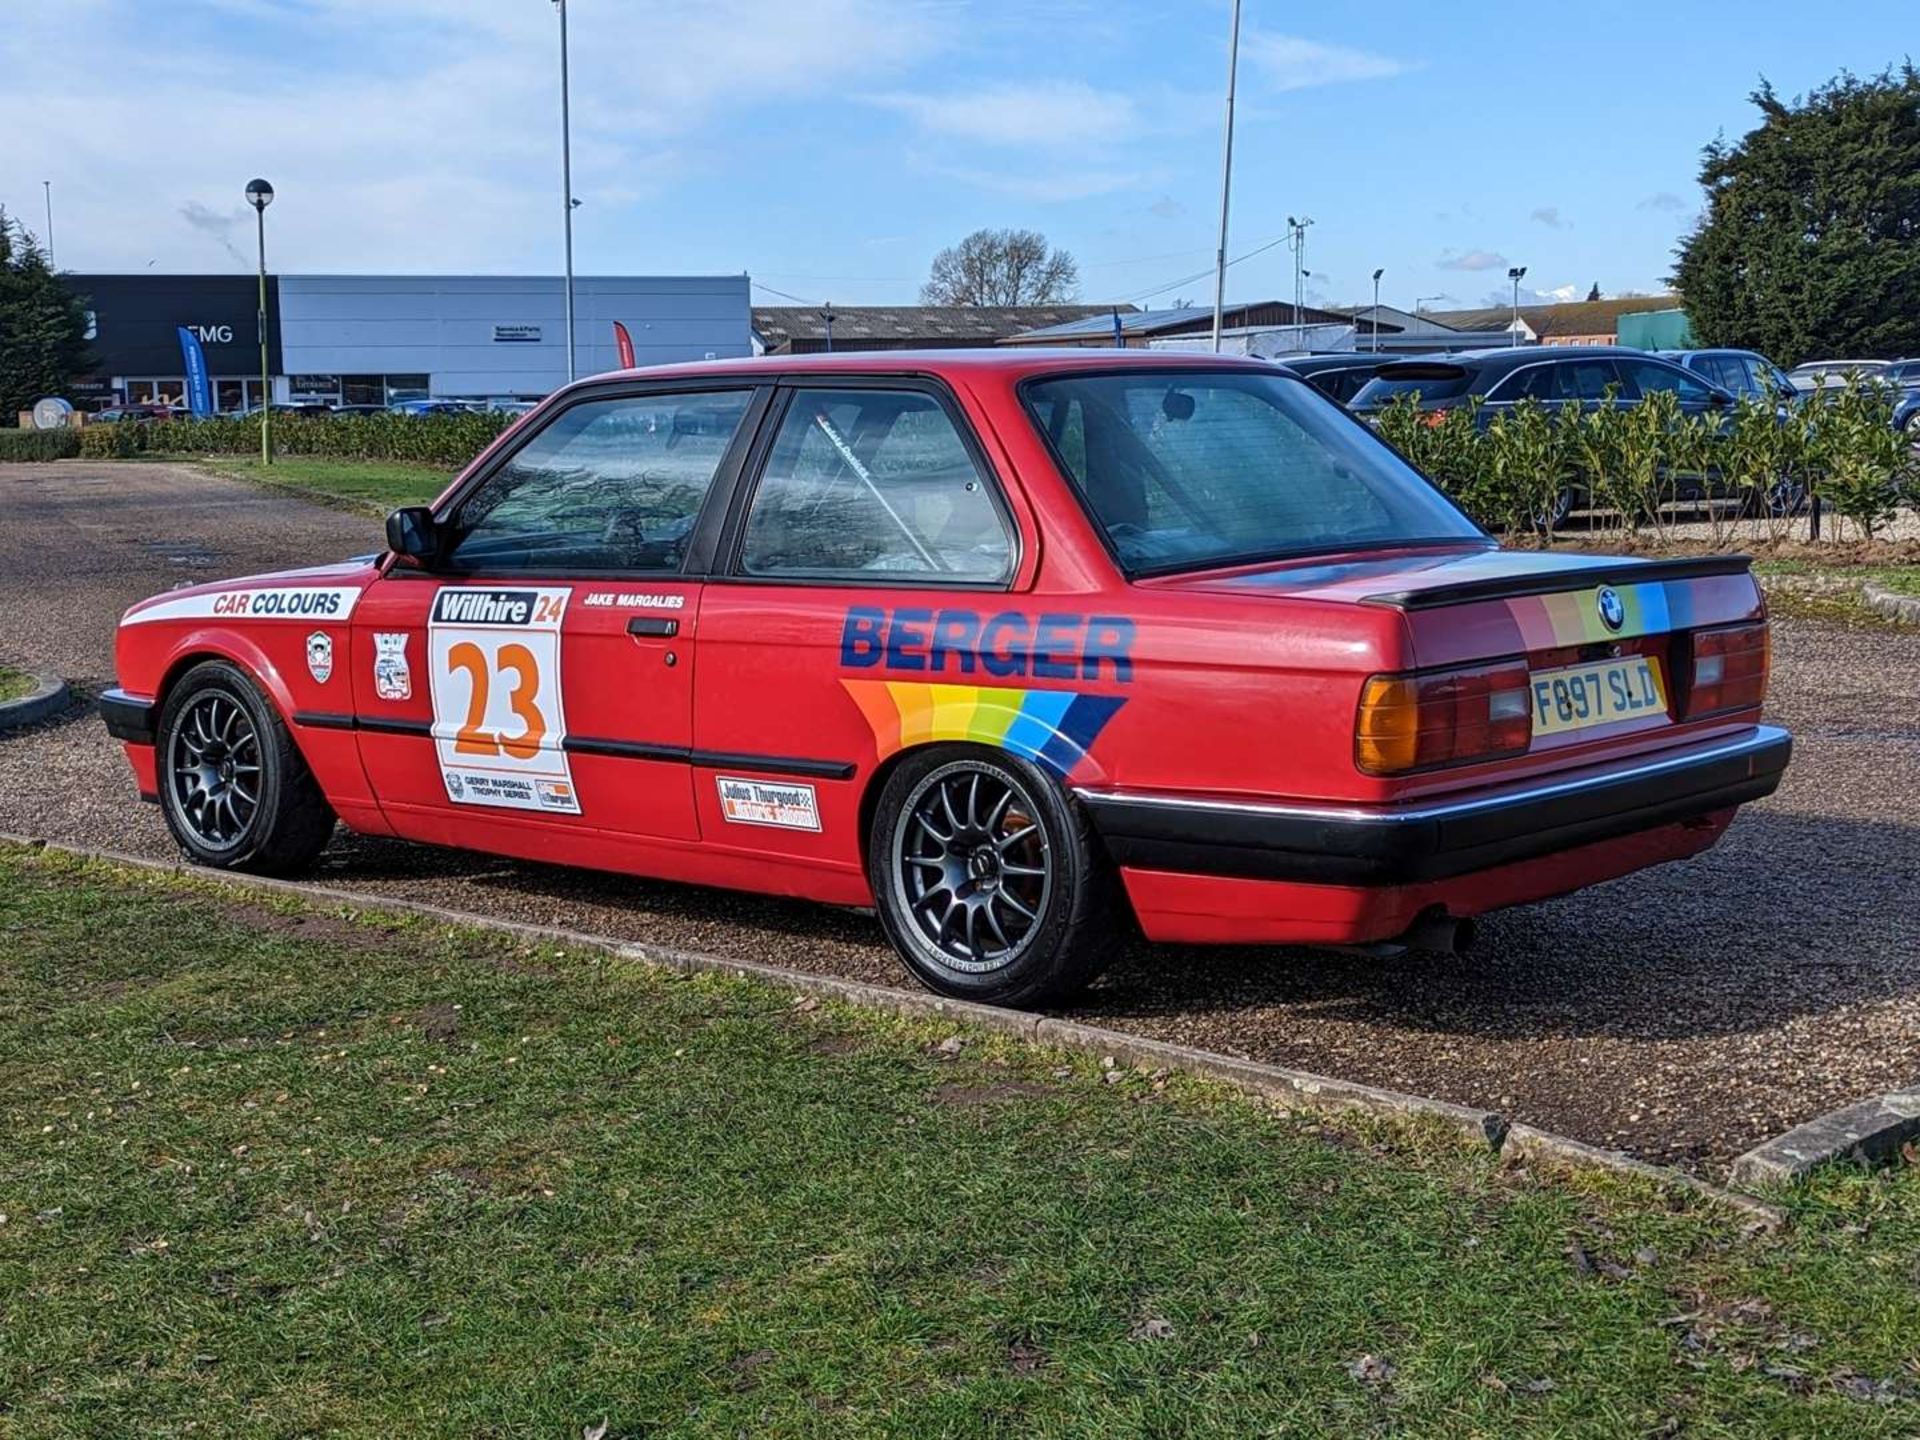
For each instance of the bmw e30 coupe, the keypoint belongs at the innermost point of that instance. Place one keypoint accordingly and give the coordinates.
(1016, 647)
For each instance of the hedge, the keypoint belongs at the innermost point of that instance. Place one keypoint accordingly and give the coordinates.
(39, 444)
(446, 440)
(1516, 471)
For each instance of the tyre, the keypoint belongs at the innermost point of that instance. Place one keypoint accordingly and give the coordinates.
(1551, 516)
(235, 791)
(1783, 497)
(989, 880)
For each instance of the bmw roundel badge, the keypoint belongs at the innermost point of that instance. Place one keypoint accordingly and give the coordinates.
(1613, 611)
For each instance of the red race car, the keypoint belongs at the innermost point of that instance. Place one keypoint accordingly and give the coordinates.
(1010, 646)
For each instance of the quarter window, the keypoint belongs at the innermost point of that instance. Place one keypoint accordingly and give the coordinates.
(865, 484)
(608, 485)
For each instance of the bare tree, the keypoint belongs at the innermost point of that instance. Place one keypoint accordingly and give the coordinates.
(1001, 267)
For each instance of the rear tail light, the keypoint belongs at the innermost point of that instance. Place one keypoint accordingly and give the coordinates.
(1730, 667)
(1433, 419)
(1443, 717)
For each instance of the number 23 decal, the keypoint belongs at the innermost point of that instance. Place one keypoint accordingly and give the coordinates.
(499, 714)
(517, 662)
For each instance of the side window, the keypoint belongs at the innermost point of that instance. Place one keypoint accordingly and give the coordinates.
(864, 484)
(1649, 378)
(608, 485)
(1534, 382)
(1587, 380)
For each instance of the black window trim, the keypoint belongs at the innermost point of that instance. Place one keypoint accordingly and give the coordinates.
(1132, 573)
(727, 568)
(698, 560)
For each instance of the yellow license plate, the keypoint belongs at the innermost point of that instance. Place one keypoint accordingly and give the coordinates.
(1597, 694)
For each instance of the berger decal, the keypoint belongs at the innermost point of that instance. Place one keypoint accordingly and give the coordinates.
(1004, 646)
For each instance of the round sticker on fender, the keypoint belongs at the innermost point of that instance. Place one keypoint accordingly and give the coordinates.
(499, 724)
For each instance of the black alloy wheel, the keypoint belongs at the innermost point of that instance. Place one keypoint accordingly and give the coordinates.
(213, 767)
(973, 866)
(989, 880)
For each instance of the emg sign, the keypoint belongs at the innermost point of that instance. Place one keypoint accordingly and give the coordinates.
(213, 334)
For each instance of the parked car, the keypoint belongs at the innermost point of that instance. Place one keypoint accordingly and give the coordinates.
(314, 408)
(430, 407)
(1738, 372)
(1008, 645)
(1340, 376)
(138, 414)
(1557, 376)
(1812, 374)
(359, 409)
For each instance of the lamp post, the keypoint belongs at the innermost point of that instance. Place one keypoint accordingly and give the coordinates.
(1297, 242)
(47, 185)
(260, 195)
(566, 178)
(1376, 308)
(1516, 275)
(1226, 181)
(827, 318)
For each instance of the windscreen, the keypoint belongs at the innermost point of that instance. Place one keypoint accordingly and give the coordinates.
(1445, 383)
(1194, 469)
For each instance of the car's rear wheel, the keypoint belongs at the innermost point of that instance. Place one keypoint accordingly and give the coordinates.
(234, 789)
(989, 880)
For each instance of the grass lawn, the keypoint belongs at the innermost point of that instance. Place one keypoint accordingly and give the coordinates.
(271, 1171)
(374, 486)
(1803, 590)
(15, 683)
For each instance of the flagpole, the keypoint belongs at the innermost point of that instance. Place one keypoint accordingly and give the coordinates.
(1226, 182)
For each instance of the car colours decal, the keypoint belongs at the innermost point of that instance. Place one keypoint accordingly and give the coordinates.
(392, 674)
(266, 602)
(1055, 728)
(499, 725)
(1572, 617)
(783, 805)
(320, 656)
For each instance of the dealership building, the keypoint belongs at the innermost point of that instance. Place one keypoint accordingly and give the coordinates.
(375, 339)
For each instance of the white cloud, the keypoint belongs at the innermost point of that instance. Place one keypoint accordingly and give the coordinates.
(1549, 216)
(1293, 62)
(1664, 200)
(1472, 260)
(400, 134)
(1060, 114)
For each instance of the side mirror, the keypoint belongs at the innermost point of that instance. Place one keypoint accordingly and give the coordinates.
(1719, 399)
(411, 532)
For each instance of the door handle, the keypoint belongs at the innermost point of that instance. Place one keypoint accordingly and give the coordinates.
(653, 626)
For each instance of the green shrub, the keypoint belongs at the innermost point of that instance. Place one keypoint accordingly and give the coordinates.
(121, 441)
(39, 444)
(446, 440)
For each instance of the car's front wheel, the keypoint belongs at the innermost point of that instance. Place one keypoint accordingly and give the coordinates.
(234, 788)
(989, 880)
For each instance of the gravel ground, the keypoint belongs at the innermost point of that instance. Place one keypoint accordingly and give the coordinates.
(1683, 1014)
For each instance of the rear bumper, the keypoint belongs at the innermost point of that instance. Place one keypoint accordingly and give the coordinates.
(1421, 842)
(129, 718)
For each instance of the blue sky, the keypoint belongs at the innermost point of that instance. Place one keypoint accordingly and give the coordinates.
(829, 147)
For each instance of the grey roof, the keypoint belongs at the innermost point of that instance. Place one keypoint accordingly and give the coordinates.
(779, 325)
(1186, 317)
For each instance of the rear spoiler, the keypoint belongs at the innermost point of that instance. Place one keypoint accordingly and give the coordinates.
(1506, 587)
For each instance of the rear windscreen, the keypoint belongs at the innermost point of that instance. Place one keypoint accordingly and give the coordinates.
(1448, 384)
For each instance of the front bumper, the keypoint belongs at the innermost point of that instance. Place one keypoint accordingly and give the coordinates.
(130, 718)
(1360, 845)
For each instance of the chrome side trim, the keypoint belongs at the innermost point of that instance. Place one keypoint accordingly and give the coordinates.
(1763, 737)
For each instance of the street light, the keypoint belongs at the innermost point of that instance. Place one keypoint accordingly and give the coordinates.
(260, 195)
(1376, 308)
(1297, 242)
(827, 318)
(1516, 275)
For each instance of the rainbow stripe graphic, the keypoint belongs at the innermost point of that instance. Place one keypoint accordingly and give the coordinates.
(1054, 728)
(1572, 617)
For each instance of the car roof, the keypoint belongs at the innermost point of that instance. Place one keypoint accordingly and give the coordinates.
(1345, 360)
(1015, 362)
(1512, 357)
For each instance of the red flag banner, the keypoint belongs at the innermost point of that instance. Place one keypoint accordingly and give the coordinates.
(625, 342)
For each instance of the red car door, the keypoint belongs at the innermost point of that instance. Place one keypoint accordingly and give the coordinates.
(873, 504)
(534, 682)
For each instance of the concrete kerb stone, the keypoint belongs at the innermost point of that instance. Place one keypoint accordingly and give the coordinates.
(1904, 608)
(49, 697)
(1870, 1132)
(1292, 1090)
